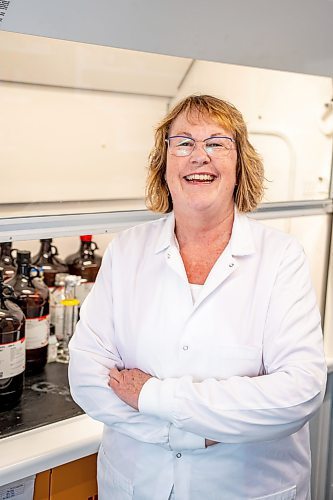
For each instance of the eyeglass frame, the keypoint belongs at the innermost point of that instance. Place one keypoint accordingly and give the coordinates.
(195, 141)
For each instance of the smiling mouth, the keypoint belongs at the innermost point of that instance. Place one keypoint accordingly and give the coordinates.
(200, 178)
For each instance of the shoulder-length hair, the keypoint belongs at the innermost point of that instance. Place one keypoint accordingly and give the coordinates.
(249, 170)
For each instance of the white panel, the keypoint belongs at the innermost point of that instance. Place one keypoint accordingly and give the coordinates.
(292, 35)
(285, 114)
(33, 59)
(329, 310)
(60, 144)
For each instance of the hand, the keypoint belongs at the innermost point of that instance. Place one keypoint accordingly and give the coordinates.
(127, 384)
(209, 442)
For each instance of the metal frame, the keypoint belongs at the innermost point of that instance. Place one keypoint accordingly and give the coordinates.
(53, 226)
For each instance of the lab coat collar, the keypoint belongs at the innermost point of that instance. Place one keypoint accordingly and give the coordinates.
(241, 241)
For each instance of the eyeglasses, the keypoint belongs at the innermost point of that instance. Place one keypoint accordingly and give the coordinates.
(219, 147)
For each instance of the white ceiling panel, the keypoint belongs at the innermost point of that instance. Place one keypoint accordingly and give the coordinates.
(287, 35)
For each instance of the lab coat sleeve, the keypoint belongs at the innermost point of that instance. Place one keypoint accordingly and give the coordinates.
(93, 353)
(276, 404)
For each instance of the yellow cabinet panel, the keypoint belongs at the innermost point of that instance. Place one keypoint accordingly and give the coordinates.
(75, 481)
(42, 486)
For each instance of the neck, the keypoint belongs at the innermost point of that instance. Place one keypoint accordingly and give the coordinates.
(201, 229)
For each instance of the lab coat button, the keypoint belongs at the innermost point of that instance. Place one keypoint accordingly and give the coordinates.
(168, 255)
(231, 264)
(178, 455)
(185, 347)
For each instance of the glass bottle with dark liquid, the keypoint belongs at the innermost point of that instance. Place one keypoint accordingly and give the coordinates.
(47, 261)
(7, 261)
(12, 348)
(32, 295)
(85, 263)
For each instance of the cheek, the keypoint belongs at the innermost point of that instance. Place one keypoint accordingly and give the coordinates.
(172, 171)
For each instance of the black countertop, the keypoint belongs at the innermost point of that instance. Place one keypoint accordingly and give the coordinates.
(45, 400)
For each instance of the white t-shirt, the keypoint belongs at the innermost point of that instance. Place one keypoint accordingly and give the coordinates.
(195, 291)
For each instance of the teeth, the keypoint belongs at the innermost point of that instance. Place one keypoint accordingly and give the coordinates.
(199, 177)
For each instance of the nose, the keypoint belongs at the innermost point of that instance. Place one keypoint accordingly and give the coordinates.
(199, 155)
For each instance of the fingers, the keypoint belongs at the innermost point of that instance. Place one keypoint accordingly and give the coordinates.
(115, 377)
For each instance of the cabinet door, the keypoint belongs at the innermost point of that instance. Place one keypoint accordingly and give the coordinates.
(42, 486)
(75, 480)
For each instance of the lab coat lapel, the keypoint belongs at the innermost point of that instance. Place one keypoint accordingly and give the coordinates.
(222, 269)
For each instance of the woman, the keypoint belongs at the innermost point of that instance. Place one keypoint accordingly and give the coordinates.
(200, 345)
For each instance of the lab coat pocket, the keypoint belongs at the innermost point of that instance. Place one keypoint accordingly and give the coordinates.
(111, 483)
(289, 494)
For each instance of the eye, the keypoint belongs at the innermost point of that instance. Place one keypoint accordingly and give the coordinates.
(182, 142)
(218, 143)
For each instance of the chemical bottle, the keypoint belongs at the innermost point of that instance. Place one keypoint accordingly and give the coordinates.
(71, 310)
(12, 347)
(52, 349)
(47, 261)
(57, 294)
(32, 295)
(7, 260)
(85, 263)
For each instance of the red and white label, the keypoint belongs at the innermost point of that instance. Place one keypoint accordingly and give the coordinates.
(12, 359)
(37, 331)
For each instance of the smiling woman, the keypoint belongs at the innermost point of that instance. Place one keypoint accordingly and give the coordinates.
(201, 351)
(225, 124)
(201, 183)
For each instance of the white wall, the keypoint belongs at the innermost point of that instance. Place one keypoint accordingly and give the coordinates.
(64, 144)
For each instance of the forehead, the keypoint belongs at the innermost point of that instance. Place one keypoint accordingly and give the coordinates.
(197, 122)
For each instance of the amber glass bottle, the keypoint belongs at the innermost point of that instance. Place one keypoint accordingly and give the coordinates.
(85, 263)
(12, 348)
(47, 261)
(32, 295)
(7, 261)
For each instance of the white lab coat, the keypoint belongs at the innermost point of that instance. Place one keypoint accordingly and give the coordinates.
(243, 366)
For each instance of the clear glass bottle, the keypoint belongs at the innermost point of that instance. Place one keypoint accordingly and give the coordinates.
(32, 295)
(7, 261)
(12, 348)
(57, 294)
(52, 349)
(85, 263)
(71, 311)
(48, 262)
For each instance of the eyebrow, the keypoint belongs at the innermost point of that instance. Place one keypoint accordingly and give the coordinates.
(188, 134)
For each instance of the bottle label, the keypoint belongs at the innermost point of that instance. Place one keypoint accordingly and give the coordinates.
(52, 349)
(82, 291)
(37, 332)
(12, 359)
(58, 320)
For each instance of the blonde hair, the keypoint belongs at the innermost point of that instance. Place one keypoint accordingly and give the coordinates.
(249, 169)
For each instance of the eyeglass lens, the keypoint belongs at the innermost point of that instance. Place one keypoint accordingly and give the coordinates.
(214, 146)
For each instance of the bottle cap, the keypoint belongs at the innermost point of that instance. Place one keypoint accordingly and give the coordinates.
(72, 280)
(59, 279)
(46, 239)
(86, 237)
